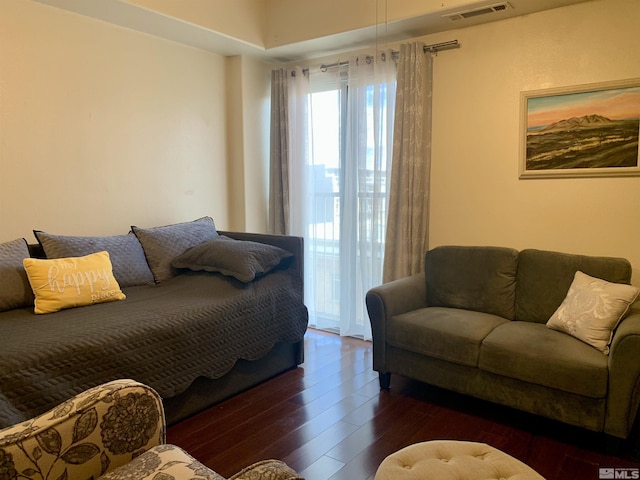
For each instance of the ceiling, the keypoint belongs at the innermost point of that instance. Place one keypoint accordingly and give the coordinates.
(129, 15)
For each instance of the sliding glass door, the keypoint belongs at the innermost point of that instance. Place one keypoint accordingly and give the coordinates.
(341, 204)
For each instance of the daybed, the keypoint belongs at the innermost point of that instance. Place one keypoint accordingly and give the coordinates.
(535, 330)
(205, 315)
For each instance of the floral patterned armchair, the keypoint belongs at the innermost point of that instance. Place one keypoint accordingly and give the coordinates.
(115, 431)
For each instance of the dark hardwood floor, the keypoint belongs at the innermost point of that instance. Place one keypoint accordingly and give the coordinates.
(329, 420)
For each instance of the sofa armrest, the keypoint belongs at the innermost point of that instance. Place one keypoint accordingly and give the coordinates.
(267, 470)
(163, 462)
(87, 436)
(289, 243)
(171, 462)
(623, 397)
(385, 301)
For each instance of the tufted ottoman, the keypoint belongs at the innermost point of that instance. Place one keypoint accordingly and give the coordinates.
(453, 460)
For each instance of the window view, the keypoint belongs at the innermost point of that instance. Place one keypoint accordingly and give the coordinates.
(347, 204)
(324, 223)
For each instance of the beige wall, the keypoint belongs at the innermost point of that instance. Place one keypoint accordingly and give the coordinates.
(293, 21)
(248, 107)
(241, 19)
(102, 127)
(477, 197)
(256, 107)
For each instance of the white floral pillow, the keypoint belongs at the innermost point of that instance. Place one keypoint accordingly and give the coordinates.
(592, 309)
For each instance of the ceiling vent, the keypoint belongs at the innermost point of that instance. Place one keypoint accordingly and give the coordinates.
(493, 8)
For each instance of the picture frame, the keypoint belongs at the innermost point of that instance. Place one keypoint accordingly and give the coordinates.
(581, 131)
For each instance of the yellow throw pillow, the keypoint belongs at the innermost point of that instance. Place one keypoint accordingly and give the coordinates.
(72, 282)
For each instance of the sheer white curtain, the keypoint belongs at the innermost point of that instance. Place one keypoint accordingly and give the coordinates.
(300, 155)
(340, 141)
(289, 150)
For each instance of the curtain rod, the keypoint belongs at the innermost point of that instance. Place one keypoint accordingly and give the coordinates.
(435, 47)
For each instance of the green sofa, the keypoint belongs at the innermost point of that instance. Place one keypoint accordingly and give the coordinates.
(475, 322)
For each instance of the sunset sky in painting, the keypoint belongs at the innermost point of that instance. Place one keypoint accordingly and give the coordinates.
(615, 104)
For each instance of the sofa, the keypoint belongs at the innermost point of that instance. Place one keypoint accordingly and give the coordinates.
(197, 314)
(550, 333)
(115, 431)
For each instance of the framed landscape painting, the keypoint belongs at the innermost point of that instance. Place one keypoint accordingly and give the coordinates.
(582, 131)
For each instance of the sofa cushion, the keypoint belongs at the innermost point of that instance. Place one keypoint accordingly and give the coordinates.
(531, 352)
(472, 278)
(127, 257)
(241, 259)
(162, 244)
(544, 278)
(592, 309)
(72, 282)
(449, 334)
(15, 291)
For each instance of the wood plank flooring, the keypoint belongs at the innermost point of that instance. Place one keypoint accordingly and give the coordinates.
(329, 421)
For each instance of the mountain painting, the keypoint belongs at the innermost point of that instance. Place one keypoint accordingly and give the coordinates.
(594, 129)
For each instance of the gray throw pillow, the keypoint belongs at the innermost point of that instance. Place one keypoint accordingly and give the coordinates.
(162, 244)
(241, 259)
(15, 291)
(130, 266)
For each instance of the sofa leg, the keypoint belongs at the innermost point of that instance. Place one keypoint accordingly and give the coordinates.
(385, 380)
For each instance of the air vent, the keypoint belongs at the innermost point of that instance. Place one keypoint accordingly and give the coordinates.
(462, 14)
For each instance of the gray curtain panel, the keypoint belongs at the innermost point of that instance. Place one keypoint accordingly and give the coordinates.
(408, 219)
(279, 154)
